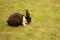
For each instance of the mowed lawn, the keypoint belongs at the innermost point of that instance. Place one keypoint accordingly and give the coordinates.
(45, 23)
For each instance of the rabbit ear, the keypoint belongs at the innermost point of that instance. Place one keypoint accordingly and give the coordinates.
(27, 13)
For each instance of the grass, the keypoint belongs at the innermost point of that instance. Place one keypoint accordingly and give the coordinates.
(45, 23)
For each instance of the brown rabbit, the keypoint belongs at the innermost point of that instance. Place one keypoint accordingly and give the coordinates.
(17, 19)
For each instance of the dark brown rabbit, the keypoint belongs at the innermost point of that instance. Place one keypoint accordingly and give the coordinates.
(17, 19)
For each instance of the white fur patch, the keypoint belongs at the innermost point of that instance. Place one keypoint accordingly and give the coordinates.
(24, 21)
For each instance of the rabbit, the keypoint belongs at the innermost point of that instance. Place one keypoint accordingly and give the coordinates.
(17, 19)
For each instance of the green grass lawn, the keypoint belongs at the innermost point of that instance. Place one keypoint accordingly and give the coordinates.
(45, 23)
